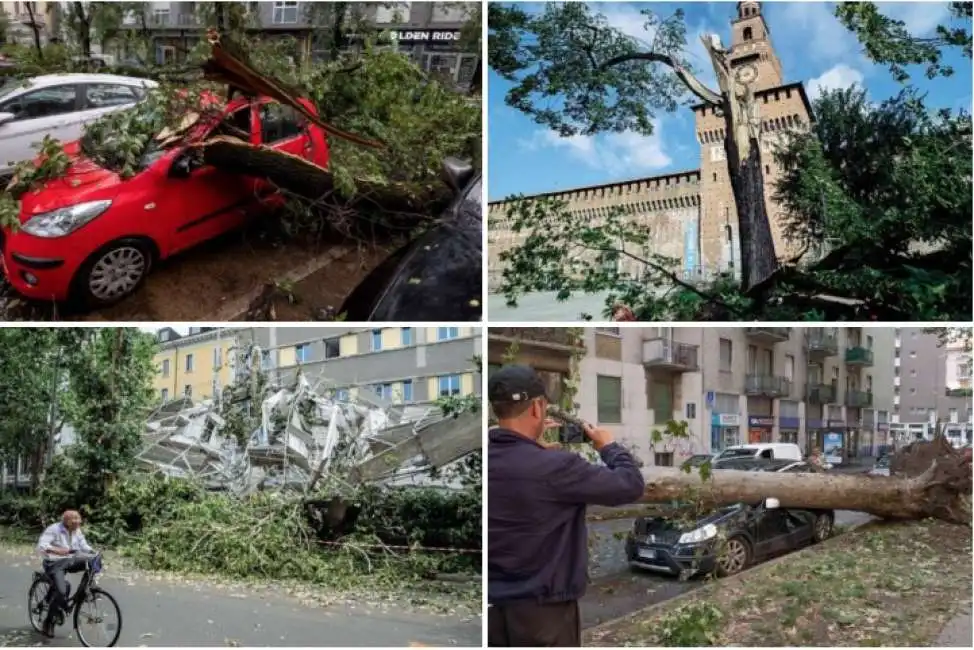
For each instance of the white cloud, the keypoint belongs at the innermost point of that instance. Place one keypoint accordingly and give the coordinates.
(612, 153)
(838, 76)
(920, 18)
(814, 26)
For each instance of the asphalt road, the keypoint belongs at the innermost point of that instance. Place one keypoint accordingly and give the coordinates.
(161, 611)
(616, 590)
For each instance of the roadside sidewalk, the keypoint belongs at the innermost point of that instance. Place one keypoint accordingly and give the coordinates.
(957, 633)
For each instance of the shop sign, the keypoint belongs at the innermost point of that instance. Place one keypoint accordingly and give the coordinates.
(729, 419)
(837, 423)
(762, 421)
(425, 35)
(815, 424)
(789, 423)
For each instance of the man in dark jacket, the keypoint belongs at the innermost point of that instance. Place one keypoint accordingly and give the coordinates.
(537, 542)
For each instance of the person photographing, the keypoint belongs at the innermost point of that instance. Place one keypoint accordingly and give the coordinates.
(537, 540)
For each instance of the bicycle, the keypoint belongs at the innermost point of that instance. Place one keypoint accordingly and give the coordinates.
(87, 594)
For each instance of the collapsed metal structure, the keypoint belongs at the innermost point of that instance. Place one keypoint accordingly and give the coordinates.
(305, 434)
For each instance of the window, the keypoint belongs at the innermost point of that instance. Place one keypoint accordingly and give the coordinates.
(748, 33)
(407, 390)
(447, 333)
(613, 331)
(341, 394)
(165, 367)
(726, 355)
(384, 391)
(265, 360)
(333, 348)
(189, 363)
(392, 12)
(279, 123)
(449, 385)
(285, 13)
(448, 12)
(376, 340)
(188, 390)
(789, 367)
(869, 342)
(752, 359)
(406, 336)
(953, 415)
(164, 394)
(160, 17)
(609, 398)
(869, 383)
(691, 410)
(165, 54)
(302, 353)
(217, 358)
(102, 95)
(664, 459)
(46, 102)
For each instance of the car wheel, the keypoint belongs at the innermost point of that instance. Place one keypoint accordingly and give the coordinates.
(114, 272)
(734, 557)
(822, 528)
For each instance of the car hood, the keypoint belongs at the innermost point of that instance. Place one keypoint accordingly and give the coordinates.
(82, 182)
(668, 530)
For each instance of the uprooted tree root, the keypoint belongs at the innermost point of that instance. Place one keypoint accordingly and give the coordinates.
(945, 474)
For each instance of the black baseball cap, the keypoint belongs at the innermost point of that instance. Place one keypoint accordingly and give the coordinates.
(515, 383)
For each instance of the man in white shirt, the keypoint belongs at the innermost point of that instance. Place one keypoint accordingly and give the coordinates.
(59, 547)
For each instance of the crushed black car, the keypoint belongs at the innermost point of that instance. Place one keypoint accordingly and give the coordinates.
(729, 539)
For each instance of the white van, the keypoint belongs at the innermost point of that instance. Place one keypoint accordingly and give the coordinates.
(764, 450)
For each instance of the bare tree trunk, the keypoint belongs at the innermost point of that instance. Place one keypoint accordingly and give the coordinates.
(938, 492)
(36, 29)
(84, 29)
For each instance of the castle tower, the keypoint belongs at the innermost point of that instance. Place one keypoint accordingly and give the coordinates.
(781, 106)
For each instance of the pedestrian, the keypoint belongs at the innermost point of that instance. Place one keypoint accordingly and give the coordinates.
(537, 541)
(816, 458)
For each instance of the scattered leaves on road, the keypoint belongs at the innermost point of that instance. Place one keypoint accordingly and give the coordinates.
(880, 585)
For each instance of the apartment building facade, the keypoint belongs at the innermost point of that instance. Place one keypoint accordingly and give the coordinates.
(428, 32)
(398, 364)
(196, 365)
(931, 384)
(731, 385)
(24, 17)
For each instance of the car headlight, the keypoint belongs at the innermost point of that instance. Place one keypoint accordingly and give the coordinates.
(64, 221)
(699, 535)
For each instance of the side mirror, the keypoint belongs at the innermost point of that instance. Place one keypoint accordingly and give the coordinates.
(771, 503)
(6, 117)
(456, 173)
(182, 167)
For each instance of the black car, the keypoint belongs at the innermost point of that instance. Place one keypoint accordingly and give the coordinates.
(436, 277)
(697, 460)
(731, 538)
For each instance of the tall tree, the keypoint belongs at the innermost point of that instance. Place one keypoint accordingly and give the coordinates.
(575, 74)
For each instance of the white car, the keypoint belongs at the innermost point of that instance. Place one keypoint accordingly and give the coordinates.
(59, 105)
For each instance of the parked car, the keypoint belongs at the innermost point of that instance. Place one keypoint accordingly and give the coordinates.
(437, 276)
(94, 236)
(881, 467)
(767, 450)
(697, 460)
(59, 105)
(728, 539)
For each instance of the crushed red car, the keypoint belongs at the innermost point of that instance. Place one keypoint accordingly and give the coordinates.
(94, 236)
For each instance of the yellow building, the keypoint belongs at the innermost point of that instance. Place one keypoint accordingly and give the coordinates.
(197, 365)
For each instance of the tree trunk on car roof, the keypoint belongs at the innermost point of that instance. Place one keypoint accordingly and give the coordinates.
(942, 490)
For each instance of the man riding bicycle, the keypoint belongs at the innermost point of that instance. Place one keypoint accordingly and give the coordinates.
(59, 546)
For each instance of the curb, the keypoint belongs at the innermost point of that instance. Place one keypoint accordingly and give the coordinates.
(666, 603)
(239, 306)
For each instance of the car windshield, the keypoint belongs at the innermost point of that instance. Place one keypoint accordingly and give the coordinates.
(11, 85)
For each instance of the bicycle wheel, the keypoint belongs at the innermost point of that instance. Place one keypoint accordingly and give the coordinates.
(99, 610)
(37, 604)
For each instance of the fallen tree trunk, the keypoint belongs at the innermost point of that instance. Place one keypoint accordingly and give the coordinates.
(935, 493)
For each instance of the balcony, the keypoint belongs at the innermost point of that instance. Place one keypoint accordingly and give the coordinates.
(821, 343)
(664, 354)
(820, 394)
(959, 392)
(553, 337)
(858, 399)
(859, 356)
(768, 334)
(767, 385)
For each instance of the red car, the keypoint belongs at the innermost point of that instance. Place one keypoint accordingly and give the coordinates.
(94, 236)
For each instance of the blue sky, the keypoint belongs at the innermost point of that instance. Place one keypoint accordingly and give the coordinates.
(811, 44)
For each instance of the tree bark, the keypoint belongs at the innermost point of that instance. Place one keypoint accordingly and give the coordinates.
(36, 29)
(932, 494)
(84, 29)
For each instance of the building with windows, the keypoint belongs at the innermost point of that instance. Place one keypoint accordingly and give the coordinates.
(399, 364)
(931, 384)
(691, 213)
(24, 17)
(731, 385)
(196, 365)
(428, 32)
